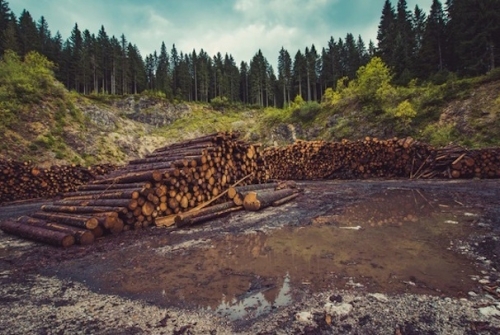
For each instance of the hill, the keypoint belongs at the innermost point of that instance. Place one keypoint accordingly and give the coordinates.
(44, 123)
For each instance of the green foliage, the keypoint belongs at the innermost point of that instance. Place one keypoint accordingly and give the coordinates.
(23, 83)
(405, 112)
(220, 103)
(440, 135)
(274, 116)
(370, 79)
(306, 112)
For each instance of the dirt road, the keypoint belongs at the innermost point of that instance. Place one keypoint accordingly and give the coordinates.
(351, 257)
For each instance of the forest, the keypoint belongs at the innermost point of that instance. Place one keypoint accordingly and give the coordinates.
(457, 39)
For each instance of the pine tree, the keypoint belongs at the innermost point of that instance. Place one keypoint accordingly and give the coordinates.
(10, 39)
(244, 91)
(431, 55)
(299, 72)
(419, 23)
(75, 65)
(386, 35)
(163, 83)
(473, 30)
(404, 47)
(44, 36)
(28, 34)
(285, 74)
(5, 24)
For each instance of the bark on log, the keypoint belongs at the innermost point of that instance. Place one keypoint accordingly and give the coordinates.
(255, 201)
(133, 177)
(72, 220)
(38, 234)
(82, 236)
(186, 218)
(81, 209)
(212, 216)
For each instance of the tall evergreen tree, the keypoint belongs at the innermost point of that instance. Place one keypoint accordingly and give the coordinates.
(431, 55)
(5, 19)
(386, 34)
(163, 72)
(10, 39)
(404, 47)
(244, 91)
(299, 72)
(285, 74)
(75, 65)
(28, 34)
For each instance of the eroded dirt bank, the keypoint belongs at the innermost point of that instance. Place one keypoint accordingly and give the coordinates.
(353, 257)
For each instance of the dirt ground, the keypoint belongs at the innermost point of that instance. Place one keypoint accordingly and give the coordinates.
(345, 257)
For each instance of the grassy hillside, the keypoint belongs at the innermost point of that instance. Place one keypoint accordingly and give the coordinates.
(42, 122)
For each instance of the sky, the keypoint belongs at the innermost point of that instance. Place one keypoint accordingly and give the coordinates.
(236, 27)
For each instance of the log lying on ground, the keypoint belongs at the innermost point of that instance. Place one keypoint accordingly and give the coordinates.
(39, 234)
(82, 236)
(187, 218)
(257, 200)
(71, 220)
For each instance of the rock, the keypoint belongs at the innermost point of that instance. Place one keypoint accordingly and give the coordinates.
(472, 294)
(305, 317)
(379, 297)
(340, 309)
(336, 298)
(489, 311)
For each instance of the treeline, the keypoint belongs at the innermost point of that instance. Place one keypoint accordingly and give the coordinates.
(461, 38)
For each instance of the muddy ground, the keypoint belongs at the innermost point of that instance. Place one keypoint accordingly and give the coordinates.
(346, 257)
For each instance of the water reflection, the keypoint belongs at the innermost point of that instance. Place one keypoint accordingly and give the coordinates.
(253, 305)
(402, 247)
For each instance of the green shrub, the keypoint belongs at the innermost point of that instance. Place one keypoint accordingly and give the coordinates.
(220, 103)
(440, 135)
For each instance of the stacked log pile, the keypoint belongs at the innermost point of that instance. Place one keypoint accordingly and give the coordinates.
(368, 158)
(25, 180)
(173, 179)
(373, 158)
(457, 162)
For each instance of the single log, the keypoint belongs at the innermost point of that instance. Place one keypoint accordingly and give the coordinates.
(255, 201)
(284, 200)
(212, 216)
(99, 187)
(97, 202)
(38, 234)
(72, 220)
(82, 209)
(82, 236)
(93, 195)
(133, 177)
(186, 218)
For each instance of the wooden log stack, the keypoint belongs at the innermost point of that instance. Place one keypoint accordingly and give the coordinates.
(368, 158)
(374, 158)
(171, 180)
(457, 162)
(25, 180)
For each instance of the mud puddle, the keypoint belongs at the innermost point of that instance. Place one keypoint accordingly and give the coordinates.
(394, 242)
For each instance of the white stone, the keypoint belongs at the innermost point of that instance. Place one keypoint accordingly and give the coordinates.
(305, 317)
(340, 309)
(489, 311)
(379, 297)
